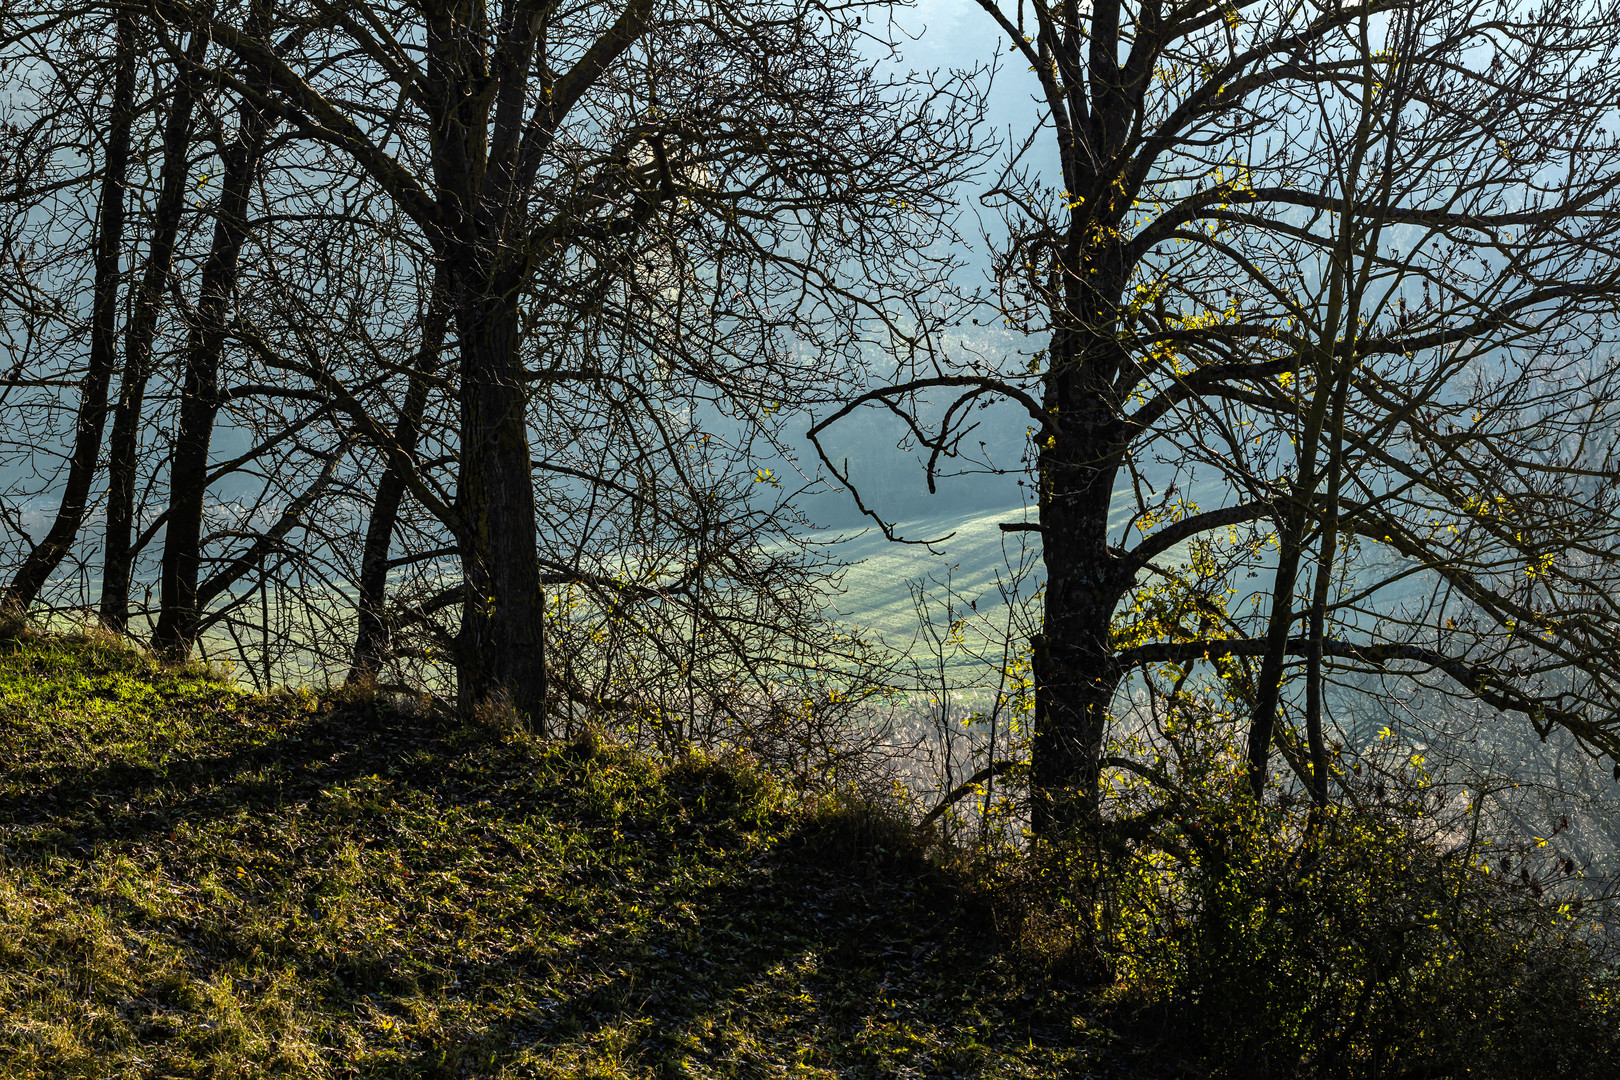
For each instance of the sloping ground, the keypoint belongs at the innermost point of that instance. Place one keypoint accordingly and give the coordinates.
(876, 593)
(195, 881)
(975, 557)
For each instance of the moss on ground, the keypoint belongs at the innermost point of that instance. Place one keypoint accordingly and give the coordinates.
(198, 881)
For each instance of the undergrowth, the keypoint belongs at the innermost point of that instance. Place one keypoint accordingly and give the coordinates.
(197, 881)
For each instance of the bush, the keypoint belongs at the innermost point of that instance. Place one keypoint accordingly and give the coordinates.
(1380, 936)
(847, 826)
(1279, 941)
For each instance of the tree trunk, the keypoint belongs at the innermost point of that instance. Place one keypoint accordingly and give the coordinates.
(124, 447)
(502, 642)
(1084, 584)
(501, 646)
(1268, 691)
(43, 560)
(372, 635)
(178, 618)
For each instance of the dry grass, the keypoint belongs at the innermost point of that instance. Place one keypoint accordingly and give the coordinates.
(199, 882)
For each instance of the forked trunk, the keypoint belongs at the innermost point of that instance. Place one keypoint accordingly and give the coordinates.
(123, 449)
(179, 617)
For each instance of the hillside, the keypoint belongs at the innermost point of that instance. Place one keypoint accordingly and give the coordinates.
(196, 881)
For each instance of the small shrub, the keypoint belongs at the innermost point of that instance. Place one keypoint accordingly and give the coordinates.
(104, 643)
(219, 672)
(1278, 941)
(296, 700)
(731, 785)
(497, 716)
(359, 693)
(587, 745)
(1047, 903)
(848, 826)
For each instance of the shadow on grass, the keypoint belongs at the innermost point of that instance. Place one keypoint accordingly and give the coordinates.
(119, 800)
(671, 937)
(793, 963)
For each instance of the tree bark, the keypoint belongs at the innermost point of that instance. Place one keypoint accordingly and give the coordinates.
(481, 141)
(46, 556)
(502, 640)
(124, 446)
(1085, 579)
(179, 617)
(1263, 721)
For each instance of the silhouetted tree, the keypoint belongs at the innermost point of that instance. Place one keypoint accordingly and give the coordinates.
(721, 193)
(1228, 310)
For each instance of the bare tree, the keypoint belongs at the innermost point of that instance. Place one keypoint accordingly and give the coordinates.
(1171, 270)
(47, 555)
(543, 152)
(372, 634)
(241, 154)
(140, 332)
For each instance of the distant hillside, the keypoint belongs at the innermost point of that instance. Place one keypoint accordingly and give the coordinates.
(969, 550)
(969, 553)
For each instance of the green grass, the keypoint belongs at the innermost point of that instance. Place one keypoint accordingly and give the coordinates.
(197, 881)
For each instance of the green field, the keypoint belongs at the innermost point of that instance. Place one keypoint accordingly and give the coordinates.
(971, 562)
(878, 589)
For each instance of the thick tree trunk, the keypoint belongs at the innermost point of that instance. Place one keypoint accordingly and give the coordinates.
(502, 642)
(372, 636)
(1078, 673)
(1076, 670)
(501, 646)
(43, 560)
(179, 617)
(124, 447)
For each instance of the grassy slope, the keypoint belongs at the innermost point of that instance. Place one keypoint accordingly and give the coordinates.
(198, 882)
